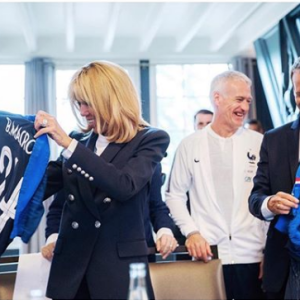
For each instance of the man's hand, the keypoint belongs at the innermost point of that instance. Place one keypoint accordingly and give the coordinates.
(198, 247)
(281, 203)
(47, 251)
(165, 245)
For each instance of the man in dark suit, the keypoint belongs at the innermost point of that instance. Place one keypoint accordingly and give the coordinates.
(271, 194)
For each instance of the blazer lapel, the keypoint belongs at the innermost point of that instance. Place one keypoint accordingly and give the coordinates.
(88, 191)
(293, 148)
(91, 141)
(111, 151)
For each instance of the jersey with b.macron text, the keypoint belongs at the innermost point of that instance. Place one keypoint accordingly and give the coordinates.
(23, 161)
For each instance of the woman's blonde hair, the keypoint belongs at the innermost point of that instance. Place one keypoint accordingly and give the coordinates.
(109, 91)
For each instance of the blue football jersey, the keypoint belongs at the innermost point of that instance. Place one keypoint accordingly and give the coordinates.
(23, 161)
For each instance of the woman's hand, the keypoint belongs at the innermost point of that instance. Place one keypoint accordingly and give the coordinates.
(45, 123)
(166, 245)
(47, 251)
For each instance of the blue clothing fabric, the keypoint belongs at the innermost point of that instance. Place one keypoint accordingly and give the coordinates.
(30, 207)
(23, 162)
(290, 224)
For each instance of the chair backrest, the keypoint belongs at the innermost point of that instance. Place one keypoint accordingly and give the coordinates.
(187, 280)
(8, 272)
(7, 283)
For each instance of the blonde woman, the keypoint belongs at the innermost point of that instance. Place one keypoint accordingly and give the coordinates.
(105, 173)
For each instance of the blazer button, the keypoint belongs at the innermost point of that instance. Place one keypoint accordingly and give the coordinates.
(78, 169)
(91, 178)
(69, 171)
(75, 225)
(97, 224)
(71, 197)
(74, 166)
(106, 200)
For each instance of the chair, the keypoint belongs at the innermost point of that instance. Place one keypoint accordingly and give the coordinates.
(8, 273)
(187, 280)
(7, 283)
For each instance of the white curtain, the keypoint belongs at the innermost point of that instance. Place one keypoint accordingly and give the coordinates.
(40, 94)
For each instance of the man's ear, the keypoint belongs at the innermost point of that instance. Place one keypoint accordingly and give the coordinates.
(216, 98)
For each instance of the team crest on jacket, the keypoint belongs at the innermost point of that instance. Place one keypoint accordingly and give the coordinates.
(251, 157)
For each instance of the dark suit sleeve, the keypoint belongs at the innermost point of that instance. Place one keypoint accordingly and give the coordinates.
(54, 178)
(262, 185)
(159, 212)
(123, 183)
(54, 214)
(54, 171)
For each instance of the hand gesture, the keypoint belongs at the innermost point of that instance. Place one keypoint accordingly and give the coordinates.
(166, 244)
(281, 203)
(47, 251)
(198, 247)
(45, 123)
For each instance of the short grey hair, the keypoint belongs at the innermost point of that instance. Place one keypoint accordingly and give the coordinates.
(295, 67)
(226, 76)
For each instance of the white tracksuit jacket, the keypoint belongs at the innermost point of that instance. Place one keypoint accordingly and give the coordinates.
(245, 240)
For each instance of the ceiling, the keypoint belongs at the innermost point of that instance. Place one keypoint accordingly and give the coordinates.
(159, 31)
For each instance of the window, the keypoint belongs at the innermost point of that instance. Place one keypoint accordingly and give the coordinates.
(12, 88)
(64, 112)
(181, 90)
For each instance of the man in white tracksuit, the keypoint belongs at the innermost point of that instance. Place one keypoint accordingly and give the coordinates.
(216, 165)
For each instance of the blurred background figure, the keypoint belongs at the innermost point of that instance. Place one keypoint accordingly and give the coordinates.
(255, 125)
(202, 118)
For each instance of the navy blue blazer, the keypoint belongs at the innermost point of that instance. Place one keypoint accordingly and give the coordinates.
(102, 226)
(276, 172)
(156, 215)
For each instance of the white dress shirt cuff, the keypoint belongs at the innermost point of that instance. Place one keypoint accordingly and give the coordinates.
(267, 214)
(163, 231)
(67, 153)
(52, 238)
